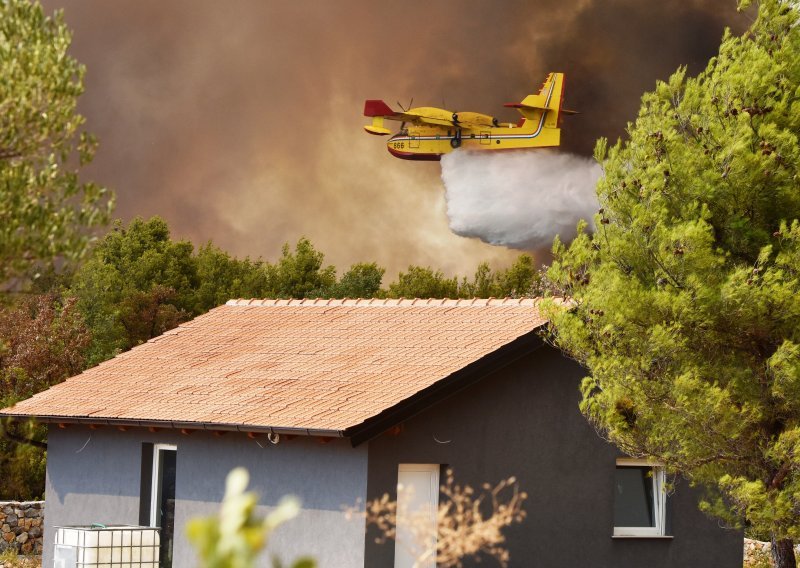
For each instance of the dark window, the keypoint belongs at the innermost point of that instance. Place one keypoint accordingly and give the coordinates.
(166, 503)
(639, 499)
(633, 502)
(157, 495)
(146, 485)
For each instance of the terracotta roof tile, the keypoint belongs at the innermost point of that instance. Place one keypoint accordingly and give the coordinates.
(311, 364)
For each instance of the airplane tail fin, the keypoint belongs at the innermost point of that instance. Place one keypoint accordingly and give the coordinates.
(545, 104)
(377, 110)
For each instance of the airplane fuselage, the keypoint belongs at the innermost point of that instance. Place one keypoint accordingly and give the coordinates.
(430, 142)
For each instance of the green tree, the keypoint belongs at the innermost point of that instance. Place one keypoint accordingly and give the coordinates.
(362, 280)
(148, 314)
(137, 284)
(222, 277)
(684, 306)
(300, 274)
(46, 212)
(421, 282)
(521, 279)
(483, 285)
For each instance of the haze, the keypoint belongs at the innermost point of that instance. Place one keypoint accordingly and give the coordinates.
(241, 122)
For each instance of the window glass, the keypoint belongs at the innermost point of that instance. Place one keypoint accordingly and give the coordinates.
(161, 501)
(166, 504)
(633, 498)
(639, 499)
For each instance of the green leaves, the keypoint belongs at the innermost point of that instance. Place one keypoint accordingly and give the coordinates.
(139, 282)
(46, 213)
(685, 303)
(236, 537)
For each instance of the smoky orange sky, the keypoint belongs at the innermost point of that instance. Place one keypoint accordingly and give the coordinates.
(240, 122)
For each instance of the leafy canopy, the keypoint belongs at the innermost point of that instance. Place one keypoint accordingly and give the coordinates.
(685, 304)
(137, 284)
(140, 282)
(46, 212)
(42, 342)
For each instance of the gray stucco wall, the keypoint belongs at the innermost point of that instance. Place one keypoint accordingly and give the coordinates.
(99, 481)
(524, 421)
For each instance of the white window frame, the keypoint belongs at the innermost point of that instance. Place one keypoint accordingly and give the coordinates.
(155, 485)
(659, 500)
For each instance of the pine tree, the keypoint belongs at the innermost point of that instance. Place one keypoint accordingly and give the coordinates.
(684, 305)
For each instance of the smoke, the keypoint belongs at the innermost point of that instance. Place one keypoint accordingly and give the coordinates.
(243, 124)
(518, 199)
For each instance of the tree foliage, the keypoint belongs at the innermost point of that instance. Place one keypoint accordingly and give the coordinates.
(421, 282)
(42, 342)
(521, 279)
(46, 212)
(684, 304)
(236, 536)
(300, 274)
(139, 282)
(222, 277)
(362, 280)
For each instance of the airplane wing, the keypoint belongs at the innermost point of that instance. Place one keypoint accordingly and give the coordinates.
(474, 120)
(377, 109)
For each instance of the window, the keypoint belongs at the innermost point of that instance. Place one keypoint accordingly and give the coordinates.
(417, 503)
(157, 495)
(639, 499)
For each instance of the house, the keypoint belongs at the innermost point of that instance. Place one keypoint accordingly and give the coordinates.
(336, 401)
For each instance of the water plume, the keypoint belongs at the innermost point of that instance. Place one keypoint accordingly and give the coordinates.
(518, 199)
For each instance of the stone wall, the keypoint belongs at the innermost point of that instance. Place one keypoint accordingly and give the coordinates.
(759, 553)
(21, 526)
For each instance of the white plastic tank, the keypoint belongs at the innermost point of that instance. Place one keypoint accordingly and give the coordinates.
(99, 546)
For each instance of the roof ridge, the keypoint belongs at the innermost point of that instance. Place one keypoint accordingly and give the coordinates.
(386, 302)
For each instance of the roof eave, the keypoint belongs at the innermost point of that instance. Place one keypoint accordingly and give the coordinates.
(446, 387)
(193, 426)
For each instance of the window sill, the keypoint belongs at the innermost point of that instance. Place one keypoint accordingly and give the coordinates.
(661, 536)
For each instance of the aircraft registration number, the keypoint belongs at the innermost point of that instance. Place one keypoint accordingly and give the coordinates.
(398, 145)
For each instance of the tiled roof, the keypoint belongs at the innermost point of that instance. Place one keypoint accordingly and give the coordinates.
(315, 365)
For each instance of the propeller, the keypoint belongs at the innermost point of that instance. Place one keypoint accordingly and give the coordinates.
(405, 109)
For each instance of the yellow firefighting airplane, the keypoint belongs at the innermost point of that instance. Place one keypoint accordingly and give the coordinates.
(426, 132)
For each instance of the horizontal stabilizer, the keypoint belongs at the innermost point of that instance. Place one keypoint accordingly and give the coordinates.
(377, 130)
(532, 102)
(377, 127)
(544, 108)
(377, 108)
